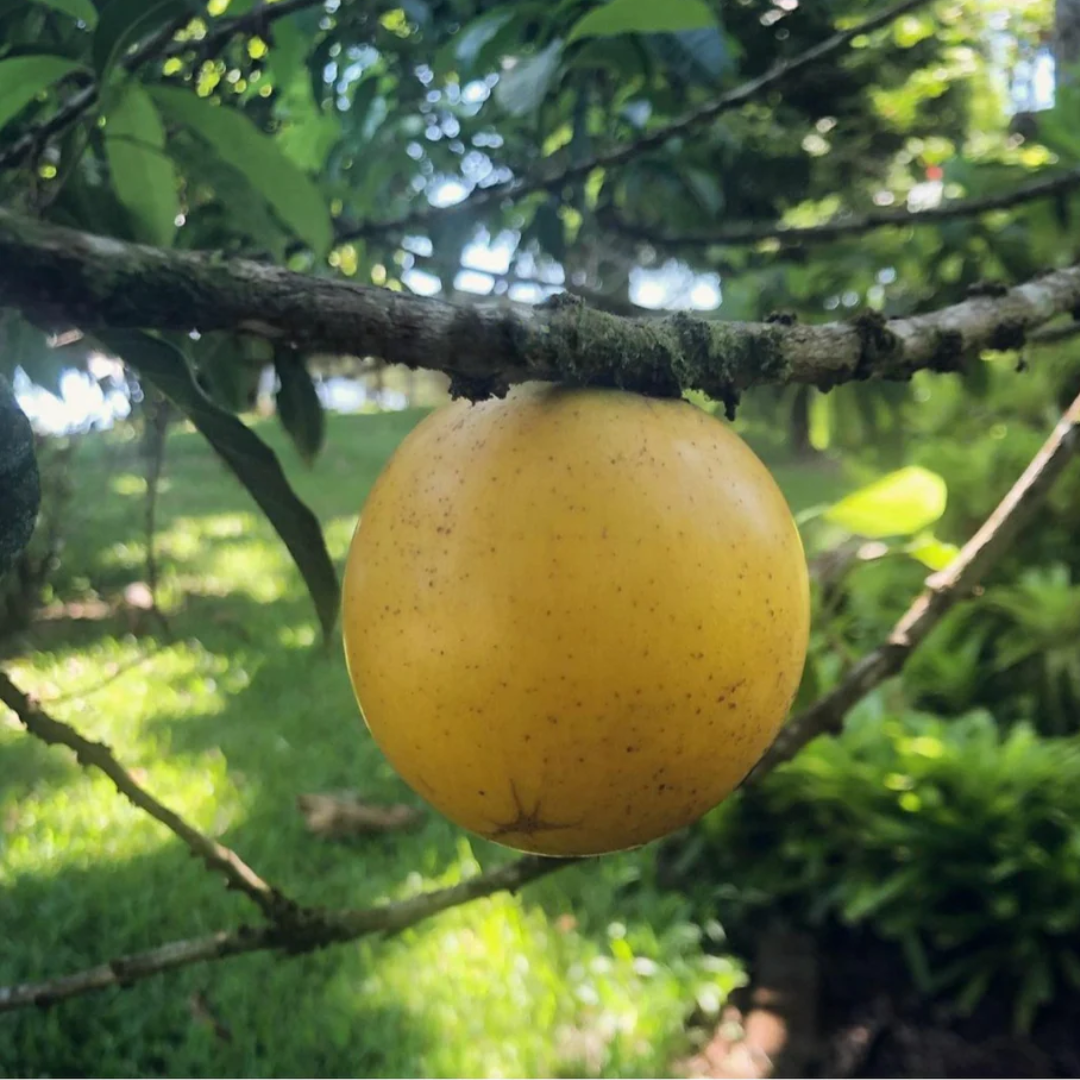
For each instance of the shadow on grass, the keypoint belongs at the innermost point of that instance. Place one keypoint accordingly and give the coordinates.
(258, 1015)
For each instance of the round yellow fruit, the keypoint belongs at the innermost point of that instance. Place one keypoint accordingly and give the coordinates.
(574, 618)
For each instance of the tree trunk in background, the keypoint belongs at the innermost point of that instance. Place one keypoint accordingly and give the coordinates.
(1066, 40)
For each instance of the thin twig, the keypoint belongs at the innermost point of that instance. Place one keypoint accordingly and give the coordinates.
(217, 857)
(318, 928)
(694, 118)
(943, 590)
(62, 277)
(854, 224)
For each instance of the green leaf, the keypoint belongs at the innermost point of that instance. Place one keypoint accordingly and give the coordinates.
(521, 89)
(294, 197)
(226, 372)
(899, 504)
(472, 38)
(1036, 988)
(643, 17)
(142, 174)
(933, 553)
(307, 133)
(250, 459)
(867, 899)
(82, 10)
(123, 22)
(24, 77)
(299, 408)
(974, 990)
(917, 962)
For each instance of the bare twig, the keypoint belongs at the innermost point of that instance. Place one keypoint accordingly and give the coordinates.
(942, 591)
(703, 114)
(317, 930)
(217, 857)
(312, 929)
(62, 276)
(852, 224)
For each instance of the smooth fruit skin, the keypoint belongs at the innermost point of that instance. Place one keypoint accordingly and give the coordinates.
(574, 619)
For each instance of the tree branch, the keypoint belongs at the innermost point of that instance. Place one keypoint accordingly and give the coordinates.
(853, 224)
(217, 857)
(943, 590)
(702, 114)
(61, 276)
(310, 929)
(317, 930)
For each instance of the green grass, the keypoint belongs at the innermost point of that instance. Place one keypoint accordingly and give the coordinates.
(590, 972)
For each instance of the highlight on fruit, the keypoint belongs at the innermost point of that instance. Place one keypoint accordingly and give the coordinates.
(575, 619)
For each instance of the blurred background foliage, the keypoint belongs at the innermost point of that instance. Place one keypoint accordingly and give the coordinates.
(338, 139)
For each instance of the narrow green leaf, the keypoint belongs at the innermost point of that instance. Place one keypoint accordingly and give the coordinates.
(974, 990)
(294, 197)
(22, 78)
(82, 10)
(299, 408)
(917, 962)
(142, 174)
(521, 89)
(472, 38)
(868, 899)
(643, 17)
(225, 370)
(251, 460)
(899, 504)
(933, 553)
(123, 22)
(1036, 988)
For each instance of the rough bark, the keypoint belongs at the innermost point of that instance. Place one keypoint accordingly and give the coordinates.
(63, 277)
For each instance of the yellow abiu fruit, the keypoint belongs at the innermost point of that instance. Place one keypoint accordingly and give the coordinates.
(574, 618)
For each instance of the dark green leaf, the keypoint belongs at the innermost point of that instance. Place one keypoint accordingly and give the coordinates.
(253, 462)
(1036, 987)
(124, 22)
(22, 78)
(918, 964)
(298, 404)
(82, 10)
(287, 56)
(142, 173)
(696, 56)
(468, 43)
(225, 372)
(294, 197)
(643, 17)
(974, 990)
(522, 89)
